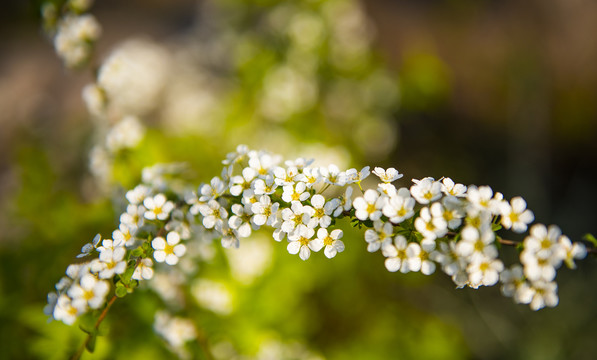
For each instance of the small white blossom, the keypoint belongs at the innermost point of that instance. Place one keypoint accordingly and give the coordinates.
(426, 190)
(332, 175)
(301, 242)
(448, 187)
(138, 194)
(66, 311)
(516, 215)
(213, 190)
(400, 207)
(397, 259)
(331, 241)
(242, 183)
(419, 257)
(241, 220)
(570, 251)
(295, 193)
(514, 285)
(310, 176)
(168, 250)
(320, 211)
(380, 236)
(481, 198)
(88, 248)
(475, 243)
(265, 186)
(544, 294)
(484, 271)
(369, 205)
(431, 222)
(213, 214)
(345, 203)
(284, 177)
(294, 216)
(264, 211)
(387, 176)
(90, 291)
(354, 176)
(144, 270)
(158, 207)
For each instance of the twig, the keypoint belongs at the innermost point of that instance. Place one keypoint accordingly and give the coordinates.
(81, 349)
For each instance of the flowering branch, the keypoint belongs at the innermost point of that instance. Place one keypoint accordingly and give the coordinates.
(434, 223)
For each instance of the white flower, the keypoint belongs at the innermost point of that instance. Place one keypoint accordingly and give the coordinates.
(241, 220)
(431, 223)
(397, 259)
(419, 257)
(387, 176)
(284, 177)
(168, 250)
(138, 194)
(516, 215)
(481, 198)
(426, 190)
(570, 251)
(65, 310)
(320, 211)
(515, 286)
(90, 291)
(144, 270)
(447, 255)
(388, 189)
(175, 330)
(125, 134)
(111, 260)
(265, 213)
(484, 271)
(213, 214)
(545, 294)
(331, 241)
(400, 207)
(453, 211)
(74, 38)
(542, 241)
(301, 243)
(261, 162)
(354, 176)
(332, 175)
(213, 190)
(265, 186)
(242, 183)
(229, 235)
(299, 163)
(158, 207)
(369, 205)
(90, 247)
(539, 268)
(294, 216)
(123, 236)
(450, 188)
(134, 217)
(345, 203)
(310, 176)
(475, 243)
(295, 193)
(237, 156)
(380, 237)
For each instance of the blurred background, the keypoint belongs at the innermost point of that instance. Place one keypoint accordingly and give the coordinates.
(502, 93)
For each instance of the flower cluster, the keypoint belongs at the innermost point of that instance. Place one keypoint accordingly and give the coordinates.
(434, 223)
(74, 33)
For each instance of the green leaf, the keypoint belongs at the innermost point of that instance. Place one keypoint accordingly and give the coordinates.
(121, 291)
(590, 238)
(87, 323)
(90, 345)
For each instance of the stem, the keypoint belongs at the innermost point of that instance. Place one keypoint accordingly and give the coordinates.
(101, 318)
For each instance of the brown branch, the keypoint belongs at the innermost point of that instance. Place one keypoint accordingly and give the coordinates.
(101, 318)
